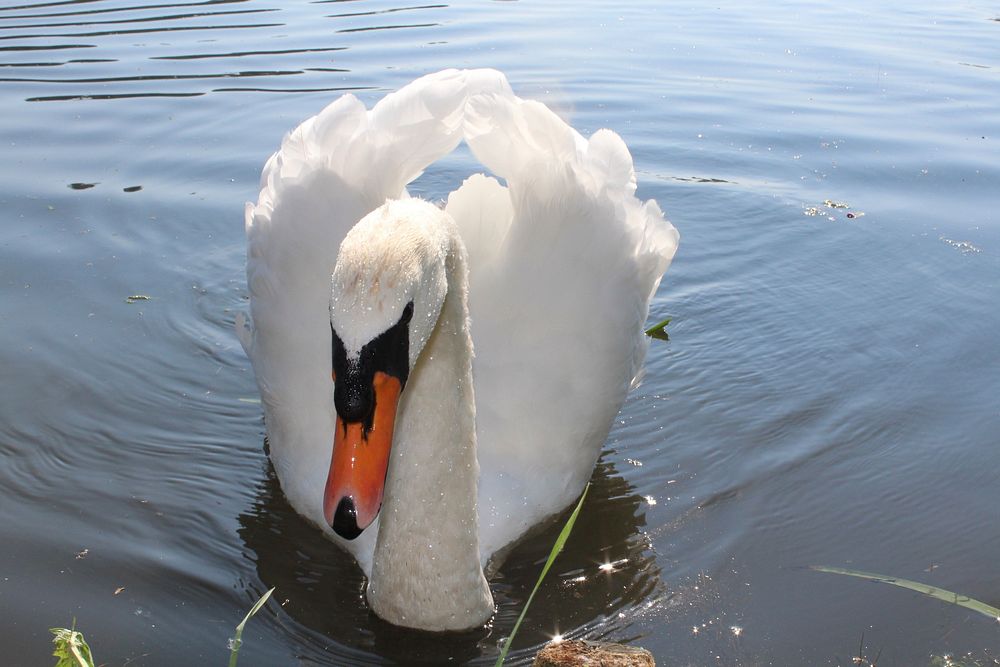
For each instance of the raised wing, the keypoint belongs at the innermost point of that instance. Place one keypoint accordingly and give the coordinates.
(563, 263)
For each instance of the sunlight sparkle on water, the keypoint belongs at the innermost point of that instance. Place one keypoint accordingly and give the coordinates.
(611, 566)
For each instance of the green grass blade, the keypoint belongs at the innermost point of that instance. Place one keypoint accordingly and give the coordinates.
(556, 548)
(659, 331)
(254, 609)
(926, 589)
(237, 641)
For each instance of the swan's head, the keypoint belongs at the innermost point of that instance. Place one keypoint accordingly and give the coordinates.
(388, 286)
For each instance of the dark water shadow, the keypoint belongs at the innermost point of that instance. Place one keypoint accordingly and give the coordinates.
(321, 589)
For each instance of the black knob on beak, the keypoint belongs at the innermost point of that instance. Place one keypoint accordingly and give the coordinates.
(354, 399)
(345, 519)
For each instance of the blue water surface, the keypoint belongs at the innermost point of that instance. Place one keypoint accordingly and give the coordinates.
(828, 395)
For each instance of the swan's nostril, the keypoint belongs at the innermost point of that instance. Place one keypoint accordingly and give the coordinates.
(345, 519)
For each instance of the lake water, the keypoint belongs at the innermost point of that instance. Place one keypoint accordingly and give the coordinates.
(828, 396)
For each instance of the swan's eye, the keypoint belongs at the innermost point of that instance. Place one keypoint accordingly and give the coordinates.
(407, 314)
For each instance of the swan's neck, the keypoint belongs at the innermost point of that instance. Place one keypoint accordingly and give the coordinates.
(426, 571)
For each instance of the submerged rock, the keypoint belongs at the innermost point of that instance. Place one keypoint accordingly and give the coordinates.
(582, 653)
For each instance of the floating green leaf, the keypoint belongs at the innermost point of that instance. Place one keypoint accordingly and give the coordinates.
(926, 589)
(556, 548)
(237, 641)
(659, 331)
(71, 648)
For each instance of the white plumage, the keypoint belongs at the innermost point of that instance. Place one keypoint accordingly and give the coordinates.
(562, 262)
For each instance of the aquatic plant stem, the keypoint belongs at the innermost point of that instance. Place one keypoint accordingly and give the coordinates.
(236, 641)
(556, 548)
(926, 589)
(659, 330)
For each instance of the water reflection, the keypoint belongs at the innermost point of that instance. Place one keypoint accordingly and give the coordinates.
(605, 575)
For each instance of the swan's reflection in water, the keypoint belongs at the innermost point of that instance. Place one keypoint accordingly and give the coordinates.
(605, 574)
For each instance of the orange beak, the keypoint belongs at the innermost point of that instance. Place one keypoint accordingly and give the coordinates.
(356, 481)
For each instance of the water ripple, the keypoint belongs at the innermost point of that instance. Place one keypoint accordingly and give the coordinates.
(389, 27)
(138, 31)
(145, 19)
(157, 77)
(108, 96)
(241, 54)
(391, 10)
(50, 47)
(60, 64)
(108, 10)
(47, 27)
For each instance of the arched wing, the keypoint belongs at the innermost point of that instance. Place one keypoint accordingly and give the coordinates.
(563, 263)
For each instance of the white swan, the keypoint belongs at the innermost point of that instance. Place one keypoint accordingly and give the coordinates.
(490, 343)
